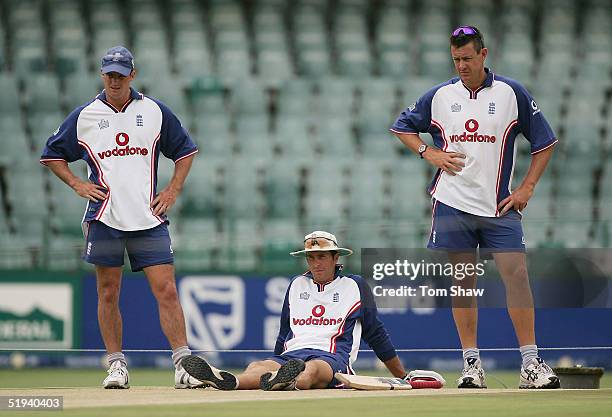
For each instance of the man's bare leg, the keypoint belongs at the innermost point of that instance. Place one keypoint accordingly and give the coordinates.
(163, 285)
(108, 280)
(318, 374)
(251, 376)
(512, 267)
(465, 313)
(465, 309)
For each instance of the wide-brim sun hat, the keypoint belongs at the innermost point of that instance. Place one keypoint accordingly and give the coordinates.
(320, 241)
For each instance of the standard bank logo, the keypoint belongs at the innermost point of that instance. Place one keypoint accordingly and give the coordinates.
(214, 310)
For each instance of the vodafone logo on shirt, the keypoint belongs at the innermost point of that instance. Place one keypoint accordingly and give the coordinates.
(122, 139)
(316, 319)
(472, 135)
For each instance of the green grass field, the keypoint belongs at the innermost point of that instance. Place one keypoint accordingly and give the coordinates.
(443, 403)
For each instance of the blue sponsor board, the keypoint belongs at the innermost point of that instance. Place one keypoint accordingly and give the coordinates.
(241, 313)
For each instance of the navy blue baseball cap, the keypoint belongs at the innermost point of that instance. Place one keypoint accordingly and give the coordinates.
(118, 59)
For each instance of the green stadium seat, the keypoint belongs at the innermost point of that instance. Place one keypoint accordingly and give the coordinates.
(274, 67)
(409, 197)
(64, 253)
(334, 139)
(369, 181)
(249, 97)
(201, 192)
(27, 200)
(42, 128)
(294, 138)
(43, 94)
(16, 147)
(82, 88)
(314, 63)
(282, 189)
(243, 245)
(196, 245)
(9, 99)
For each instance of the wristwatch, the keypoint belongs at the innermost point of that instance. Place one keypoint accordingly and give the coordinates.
(422, 150)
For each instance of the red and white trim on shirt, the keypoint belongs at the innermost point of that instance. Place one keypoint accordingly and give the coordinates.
(44, 161)
(100, 177)
(321, 287)
(473, 93)
(444, 148)
(553, 143)
(115, 109)
(439, 126)
(127, 103)
(332, 345)
(433, 217)
(186, 156)
(403, 133)
(501, 161)
(152, 193)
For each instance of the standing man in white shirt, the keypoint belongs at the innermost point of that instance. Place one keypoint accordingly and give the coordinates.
(120, 134)
(474, 120)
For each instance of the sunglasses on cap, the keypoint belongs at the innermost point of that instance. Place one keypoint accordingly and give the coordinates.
(465, 30)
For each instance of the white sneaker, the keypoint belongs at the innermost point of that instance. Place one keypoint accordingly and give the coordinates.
(473, 375)
(538, 375)
(118, 376)
(183, 380)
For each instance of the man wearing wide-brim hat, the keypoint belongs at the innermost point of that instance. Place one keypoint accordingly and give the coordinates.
(325, 314)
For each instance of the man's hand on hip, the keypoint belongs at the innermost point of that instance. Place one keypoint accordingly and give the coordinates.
(517, 200)
(164, 201)
(90, 191)
(449, 162)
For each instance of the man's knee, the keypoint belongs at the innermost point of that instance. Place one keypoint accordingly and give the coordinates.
(108, 292)
(258, 366)
(317, 374)
(165, 292)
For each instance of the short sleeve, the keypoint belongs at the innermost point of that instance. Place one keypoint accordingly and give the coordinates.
(175, 142)
(417, 118)
(531, 121)
(63, 143)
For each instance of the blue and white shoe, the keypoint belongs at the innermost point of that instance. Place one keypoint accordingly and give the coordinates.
(473, 375)
(118, 377)
(538, 375)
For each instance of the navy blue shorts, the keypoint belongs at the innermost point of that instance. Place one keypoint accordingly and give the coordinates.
(106, 246)
(336, 363)
(456, 230)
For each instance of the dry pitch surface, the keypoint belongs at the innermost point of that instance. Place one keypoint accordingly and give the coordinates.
(98, 397)
(153, 396)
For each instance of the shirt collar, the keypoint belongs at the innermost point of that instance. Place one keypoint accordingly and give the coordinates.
(339, 268)
(488, 82)
(133, 95)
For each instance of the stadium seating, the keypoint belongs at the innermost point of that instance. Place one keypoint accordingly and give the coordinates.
(290, 103)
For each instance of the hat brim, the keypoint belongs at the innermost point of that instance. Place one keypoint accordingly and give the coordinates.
(116, 68)
(303, 253)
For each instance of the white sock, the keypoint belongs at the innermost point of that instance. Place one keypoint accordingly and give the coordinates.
(179, 353)
(528, 352)
(116, 356)
(471, 353)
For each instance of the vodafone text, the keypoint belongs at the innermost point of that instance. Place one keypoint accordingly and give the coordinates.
(127, 151)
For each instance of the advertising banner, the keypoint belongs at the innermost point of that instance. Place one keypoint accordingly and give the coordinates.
(39, 313)
(228, 312)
